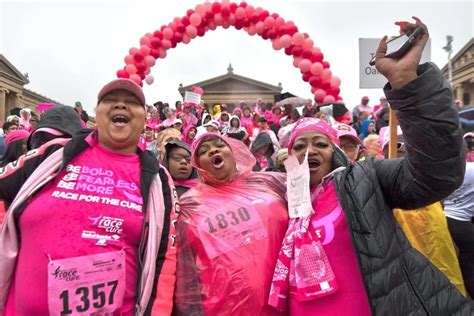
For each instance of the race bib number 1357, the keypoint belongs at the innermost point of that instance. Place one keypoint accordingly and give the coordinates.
(88, 285)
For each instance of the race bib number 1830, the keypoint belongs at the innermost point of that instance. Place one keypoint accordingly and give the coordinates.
(87, 285)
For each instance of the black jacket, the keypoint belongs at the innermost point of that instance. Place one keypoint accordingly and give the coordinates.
(398, 279)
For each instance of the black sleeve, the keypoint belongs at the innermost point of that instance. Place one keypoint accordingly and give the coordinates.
(435, 161)
(14, 174)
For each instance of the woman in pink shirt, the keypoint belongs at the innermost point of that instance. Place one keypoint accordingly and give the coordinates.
(344, 253)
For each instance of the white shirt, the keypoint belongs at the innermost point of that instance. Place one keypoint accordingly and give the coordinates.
(460, 204)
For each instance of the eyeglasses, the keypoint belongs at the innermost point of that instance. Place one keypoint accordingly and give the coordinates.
(179, 157)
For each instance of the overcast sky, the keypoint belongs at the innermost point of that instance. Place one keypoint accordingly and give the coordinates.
(70, 49)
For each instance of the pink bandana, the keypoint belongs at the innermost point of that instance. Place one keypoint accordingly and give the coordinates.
(312, 124)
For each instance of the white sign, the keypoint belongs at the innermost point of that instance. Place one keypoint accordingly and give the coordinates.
(192, 97)
(369, 77)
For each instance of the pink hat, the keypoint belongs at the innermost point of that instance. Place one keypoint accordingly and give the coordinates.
(385, 135)
(344, 130)
(123, 84)
(468, 135)
(16, 135)
(312, 124)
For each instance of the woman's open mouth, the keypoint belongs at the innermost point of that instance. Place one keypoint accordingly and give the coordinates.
(120, 120)
(217, 162)
(313, 164)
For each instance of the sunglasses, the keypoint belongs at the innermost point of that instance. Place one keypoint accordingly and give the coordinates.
(179, 157)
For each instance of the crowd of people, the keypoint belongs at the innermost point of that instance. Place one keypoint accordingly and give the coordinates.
(198, 209)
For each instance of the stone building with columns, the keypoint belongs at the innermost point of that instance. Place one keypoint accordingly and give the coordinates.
(13, 94)
(463, 73)
(231, 88)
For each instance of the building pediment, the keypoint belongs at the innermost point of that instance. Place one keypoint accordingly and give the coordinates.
(11, 73)
(233, 83)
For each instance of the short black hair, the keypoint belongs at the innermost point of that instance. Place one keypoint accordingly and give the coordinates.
(7, 125)
(262, 120)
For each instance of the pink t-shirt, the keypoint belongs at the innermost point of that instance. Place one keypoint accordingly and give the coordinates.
(93, 206)
(332, 228)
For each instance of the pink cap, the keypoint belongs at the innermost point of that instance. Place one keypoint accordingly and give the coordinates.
(16, 135)
(123, 84)
(347, 131)
(385, 135)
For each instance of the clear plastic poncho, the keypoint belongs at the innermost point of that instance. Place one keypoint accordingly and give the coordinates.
(229, 237)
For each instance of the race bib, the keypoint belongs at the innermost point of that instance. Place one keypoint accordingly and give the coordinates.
(297, 186)
(230, 226)
(87, 285)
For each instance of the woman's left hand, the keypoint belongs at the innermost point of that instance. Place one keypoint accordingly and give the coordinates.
(401, 71)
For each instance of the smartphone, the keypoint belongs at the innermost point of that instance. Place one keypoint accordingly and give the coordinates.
(398, 46)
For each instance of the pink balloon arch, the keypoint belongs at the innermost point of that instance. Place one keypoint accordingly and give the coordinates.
(205, 17)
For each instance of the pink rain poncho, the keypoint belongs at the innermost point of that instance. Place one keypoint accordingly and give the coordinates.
(230, 233)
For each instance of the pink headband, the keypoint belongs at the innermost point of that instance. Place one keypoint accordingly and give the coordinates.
(16, 135)
(312, 124)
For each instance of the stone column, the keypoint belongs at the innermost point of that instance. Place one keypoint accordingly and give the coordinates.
(3, 103)
(459, 92)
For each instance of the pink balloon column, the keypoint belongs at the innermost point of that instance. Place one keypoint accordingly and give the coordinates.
(284, 35)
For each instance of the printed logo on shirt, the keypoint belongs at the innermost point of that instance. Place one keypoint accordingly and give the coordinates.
(109, 224)
(101, 239)
(66, 275)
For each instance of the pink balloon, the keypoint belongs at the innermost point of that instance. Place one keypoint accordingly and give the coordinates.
(145, 50)
(195, 19)
(231, 19)
(133, 51)
(207, 6)
(305, 65)
(298, 39)
(335, 81)
(162, 52)
(136, 78)
(168, 33)
(149, 35)
(308, 43)
(129, 59)
(279, 22)
(198, 90)
(276, 44)
(269, 22)
(218, 19)
(131, 69)
(186, 39)
(191, 31)
(173, 26)
(316, 68)
(149, 61)
(319, 94)
(316, 50)
(201, 10)
(212, 25)
(259, 27)
(249, 10)
(240, 13)
(225, 24)
(147, 71)
(251, 30)
(149, 79)
(177, 20)
(145, 41)
(285, 40)
(166, 44)
(296, 61)
(328, 99)
(326, 74)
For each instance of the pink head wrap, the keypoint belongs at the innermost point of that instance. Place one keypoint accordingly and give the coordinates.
(16, 135)
(312, 124)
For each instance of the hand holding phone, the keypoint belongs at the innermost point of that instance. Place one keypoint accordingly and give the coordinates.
(402, 69)
(398, 46)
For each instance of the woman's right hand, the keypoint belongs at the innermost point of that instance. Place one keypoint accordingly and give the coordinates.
(401, 71)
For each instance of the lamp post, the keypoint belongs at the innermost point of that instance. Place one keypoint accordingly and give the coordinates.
(449, 49)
